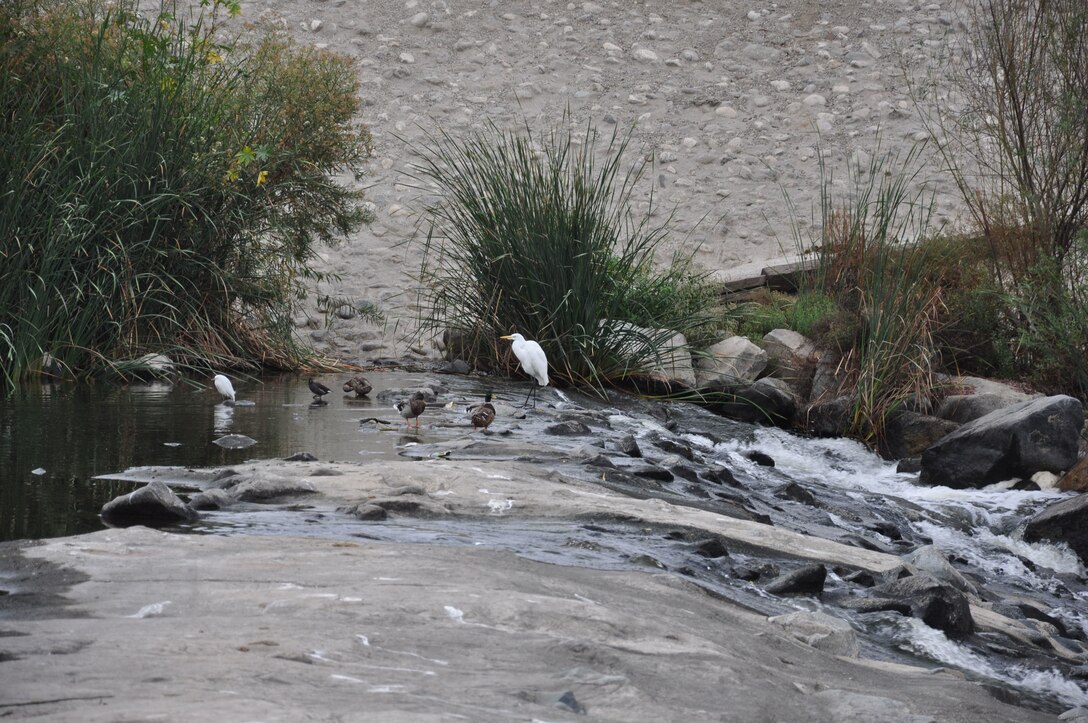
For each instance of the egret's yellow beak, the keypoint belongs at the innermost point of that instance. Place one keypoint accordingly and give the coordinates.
(506, 337)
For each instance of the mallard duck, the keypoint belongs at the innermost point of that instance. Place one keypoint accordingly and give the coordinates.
(412, 408)
(483, 414)
(359, 385)
(534, 362)
(318, 388)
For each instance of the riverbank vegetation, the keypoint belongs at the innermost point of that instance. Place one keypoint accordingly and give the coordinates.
(539, 235)
(165, 184)
(1006, 294)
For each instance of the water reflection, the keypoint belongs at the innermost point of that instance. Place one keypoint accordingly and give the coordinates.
(75, 432)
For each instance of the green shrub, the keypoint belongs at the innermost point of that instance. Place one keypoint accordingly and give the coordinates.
(163, 189)
(537, 235)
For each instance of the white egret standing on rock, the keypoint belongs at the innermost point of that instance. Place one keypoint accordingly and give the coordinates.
(224, 387)
(534, 362)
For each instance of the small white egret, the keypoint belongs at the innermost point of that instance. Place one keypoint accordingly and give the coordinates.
(412, 408)
(224, 387)
(534, 362)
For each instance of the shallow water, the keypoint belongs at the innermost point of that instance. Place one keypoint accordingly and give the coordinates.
(55, 439)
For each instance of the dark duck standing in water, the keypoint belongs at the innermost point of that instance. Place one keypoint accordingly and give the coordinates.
(359, 385)
(318, 389)
(412, 408)
(483, 414)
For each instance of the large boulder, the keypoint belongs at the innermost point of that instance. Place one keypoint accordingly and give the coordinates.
(735, 360)
(1014, 442)
(1063, 522)
(153, 505)
(765, 401)
(793, 357)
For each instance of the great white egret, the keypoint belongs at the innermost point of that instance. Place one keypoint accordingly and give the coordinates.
(318, 389)
(412, 408)
(534, 362)
(223, 386)
(483, 414)
(359, 385)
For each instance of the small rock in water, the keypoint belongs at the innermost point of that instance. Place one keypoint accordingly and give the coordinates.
(301, 457)
(568, 428)
(235, 441)
(629, 446)
(39, 471)
(761, 458)
(712, 548)
(153, 505)
(808, 580)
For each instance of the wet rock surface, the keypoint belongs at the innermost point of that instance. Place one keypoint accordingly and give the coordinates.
(533, 564)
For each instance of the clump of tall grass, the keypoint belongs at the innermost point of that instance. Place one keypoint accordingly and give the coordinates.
(874, 259)
(164, 184)
(537, 235)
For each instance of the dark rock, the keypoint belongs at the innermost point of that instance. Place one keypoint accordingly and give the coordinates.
(1014, 442)
(752, 572)
(808, 580)
(937, 604)
(301, 457)
(829, 417)
(797, 493)
(629, 446)
(1030, 610)
(569, 428)
(908, 434)
(655, 473)
(1066, 522)
(910, 465)
(861, 577)
(569, 702)
(875, 605)
(712, 548)
(153, 505)
(964, 408)
(765, 401)
(761, 458)
(684, 472)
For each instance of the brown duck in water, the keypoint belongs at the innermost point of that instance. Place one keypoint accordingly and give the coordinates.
(483, 414)
(359, 385)
(412, 408)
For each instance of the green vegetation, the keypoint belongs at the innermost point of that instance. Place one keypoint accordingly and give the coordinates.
(163, 187)
(537, 235)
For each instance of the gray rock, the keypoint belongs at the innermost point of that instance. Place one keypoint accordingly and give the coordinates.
(265, 488)
(735, 360)
(820, 631)
(808, 580)
(909, 434)
(931, 560)
(401, 393)
(153, 505)
(629, 446)
(1014, 442)
(211, 499)
(235, 441)
(829, 417)
(965, 408)
(1063, 522)
(766, 401)
(365, 511)
(569, 428)
(793, 357)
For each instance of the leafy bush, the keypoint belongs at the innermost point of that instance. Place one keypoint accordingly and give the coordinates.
(538, 236)
(163, 190)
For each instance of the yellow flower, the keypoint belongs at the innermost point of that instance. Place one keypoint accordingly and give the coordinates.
(213, 57)
(262, 177)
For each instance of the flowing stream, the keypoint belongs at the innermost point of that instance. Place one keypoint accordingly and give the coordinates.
(62, 453)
